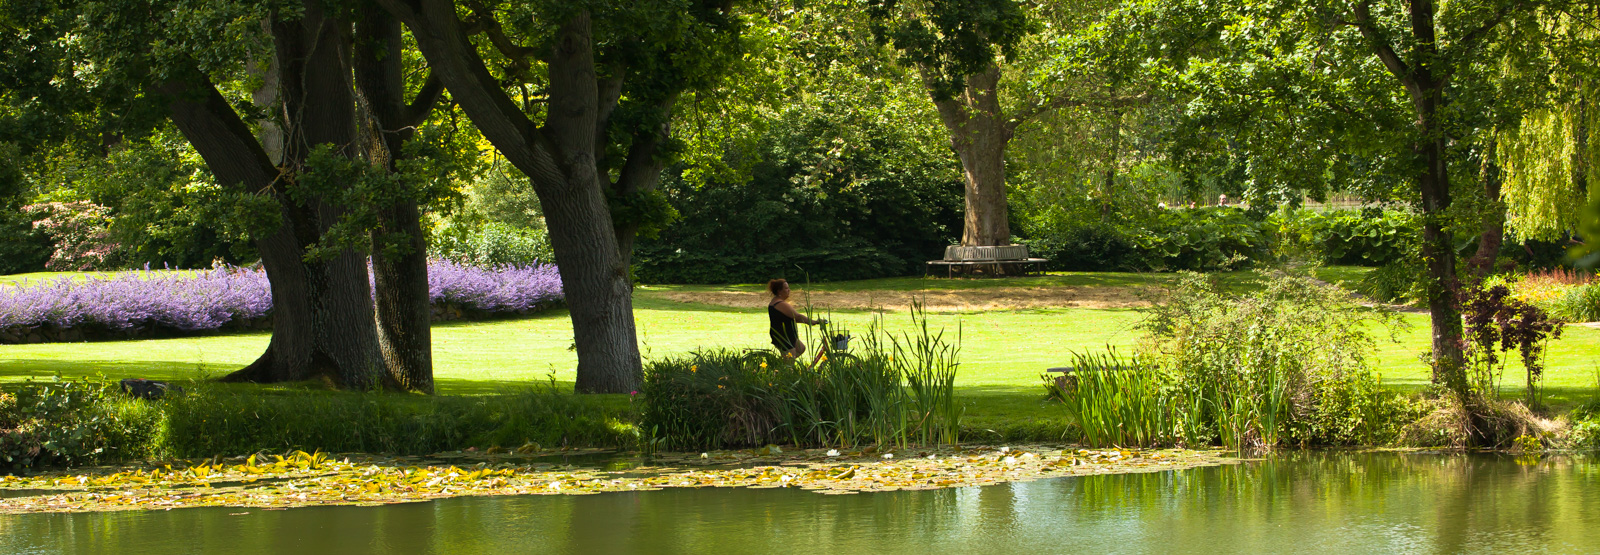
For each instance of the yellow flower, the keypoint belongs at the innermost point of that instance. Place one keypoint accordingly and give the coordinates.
(719, 387)
(763, 364)
(695, 368)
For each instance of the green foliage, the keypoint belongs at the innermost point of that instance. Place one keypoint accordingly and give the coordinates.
(22, 247)
(70, 423)
(211, 420)
(1284, 364)
(1399, 282)
(1586, 426)
(424, 176)
(67, 423)
(1545, 172)
(1252, 371)
(648, 211)
(1354, 409)
(894, 391)
(160, 206)
(951, 39)
(1115, 402)
(1366, 237)
(1579, 303)
(490, 244)
(1175, 239)
(828, 198)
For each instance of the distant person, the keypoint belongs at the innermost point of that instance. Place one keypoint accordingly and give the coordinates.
(783, 317)
(1222, 200)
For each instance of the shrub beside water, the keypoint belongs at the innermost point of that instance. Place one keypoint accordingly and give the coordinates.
(1117, 402)
(69, 423)
(1284, 365)
(209, 420)
(894, 391)
(83, 422)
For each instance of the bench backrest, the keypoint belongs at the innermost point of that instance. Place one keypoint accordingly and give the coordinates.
(996, 252)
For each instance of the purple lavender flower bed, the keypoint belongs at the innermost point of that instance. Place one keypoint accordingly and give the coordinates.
(489, 291)
(132, 304)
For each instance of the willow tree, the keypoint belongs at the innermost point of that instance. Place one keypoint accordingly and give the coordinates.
(1549, 165)
(579, 97)
(1380, 91)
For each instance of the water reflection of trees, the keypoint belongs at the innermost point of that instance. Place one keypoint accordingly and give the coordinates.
(1292, 502)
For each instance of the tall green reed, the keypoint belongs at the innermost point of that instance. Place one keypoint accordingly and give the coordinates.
(1116, 402)
(892, 390)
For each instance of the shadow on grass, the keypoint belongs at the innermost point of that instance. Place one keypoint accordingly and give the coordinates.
(39, 370)
(649, 302)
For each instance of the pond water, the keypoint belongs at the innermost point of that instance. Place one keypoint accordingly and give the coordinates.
(1316, 502)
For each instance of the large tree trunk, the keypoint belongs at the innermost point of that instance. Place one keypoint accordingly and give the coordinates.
(1437, 245)
(400, 271)
(314, 54)
(238, 160)
(1493, 230)
(979, 133)
(560, 160)
(322, 309)
(1426, 88)
(593, 274)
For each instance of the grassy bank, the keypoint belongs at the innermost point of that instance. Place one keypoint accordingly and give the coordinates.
(1002, 355)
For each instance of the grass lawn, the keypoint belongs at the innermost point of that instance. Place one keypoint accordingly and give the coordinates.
(1003, 352)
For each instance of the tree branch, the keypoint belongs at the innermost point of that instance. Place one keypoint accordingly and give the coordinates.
(1039, 108)
(417, 112)
(1469, 40)
(215, 130)
(642, 169)
(1381, 47)
(456, 63)
(610, 95)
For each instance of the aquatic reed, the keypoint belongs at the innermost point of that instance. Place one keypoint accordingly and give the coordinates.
(894, 390)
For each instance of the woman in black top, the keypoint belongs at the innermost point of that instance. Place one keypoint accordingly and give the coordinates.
(783, 318)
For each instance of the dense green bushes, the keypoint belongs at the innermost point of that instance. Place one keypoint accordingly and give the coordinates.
(1285, 365)
(810, 205)
(221, 420)
(1220, 238)
(490, 244)
(87, 422)
(892, 391)
(1366, 237)
(1199, 239)
(64, 423)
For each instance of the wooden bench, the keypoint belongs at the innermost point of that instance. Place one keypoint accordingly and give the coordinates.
(997, 259)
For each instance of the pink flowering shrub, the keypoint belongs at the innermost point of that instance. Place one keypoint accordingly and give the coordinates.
(79, 230)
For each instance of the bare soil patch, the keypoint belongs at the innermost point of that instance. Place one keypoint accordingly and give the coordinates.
(938, 300)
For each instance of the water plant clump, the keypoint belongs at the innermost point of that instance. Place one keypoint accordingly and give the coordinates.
(894, 390)
(1284, 365)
